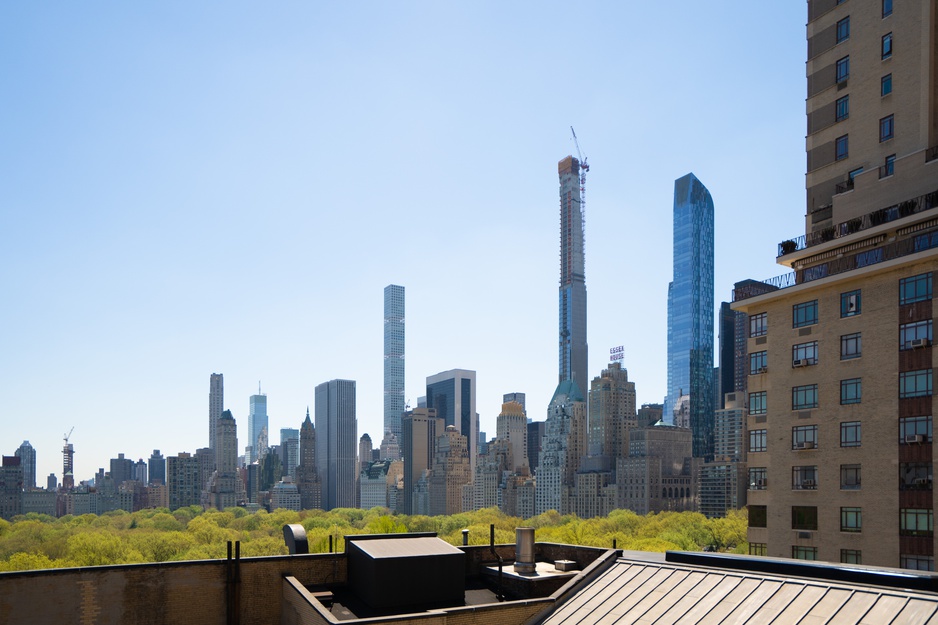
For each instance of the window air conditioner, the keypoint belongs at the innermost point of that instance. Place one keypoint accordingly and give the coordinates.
(806, 445)
(914, 438)
(799, 362)
(917, 343)
(808, 484)
(762, 370)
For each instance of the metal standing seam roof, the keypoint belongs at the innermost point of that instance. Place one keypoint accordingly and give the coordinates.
(643, 592)
(405, 547)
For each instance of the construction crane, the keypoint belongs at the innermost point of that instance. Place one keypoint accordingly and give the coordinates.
(69, 435)
(68, 462)
(584, 167)
(583, 163)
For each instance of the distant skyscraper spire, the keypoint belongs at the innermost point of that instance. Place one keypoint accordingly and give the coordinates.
(393, 358)
(573, 347)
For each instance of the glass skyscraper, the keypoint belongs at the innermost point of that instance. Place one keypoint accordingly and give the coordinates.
(690, 314)
(257, 421)
(453, 395)
(573, 348)
(393, 358)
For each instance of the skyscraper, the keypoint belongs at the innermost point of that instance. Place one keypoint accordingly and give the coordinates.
(511, 425)
(216, 404)
(27, 456)
(453, 395)
(420, 427)
(564, 444)
(157, 468)
(257, 421)
(226, 488)
(611, 412)
(337, 443)
(393, 358)
(307, 474)
(290, 450)
(573, 348)
(690, 313)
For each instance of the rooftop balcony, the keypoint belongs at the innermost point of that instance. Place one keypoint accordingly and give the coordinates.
(862, 257)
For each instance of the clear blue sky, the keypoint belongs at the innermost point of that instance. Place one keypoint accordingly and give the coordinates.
(188, 188)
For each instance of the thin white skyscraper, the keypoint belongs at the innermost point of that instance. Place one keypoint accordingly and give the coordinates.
(393, 359)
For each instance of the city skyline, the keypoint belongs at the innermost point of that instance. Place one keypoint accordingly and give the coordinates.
(134, 180)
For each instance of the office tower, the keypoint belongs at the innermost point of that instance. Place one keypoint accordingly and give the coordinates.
(11, 487)
(573, 347)
(659, 473)
(511, 425)
(182, 481)
(307, 474)
(140, 471)
(518, 397)
(453, 395)
(390, 447)
(840, 396)
(723, 482)
(450, 472)
(257, 422)
(27, 456)
(728, 371)
(122, 469)
(226, 487)
(419, 429)
(393, 358)
(216, 404)
(157, 468)
(690, 313)
(536, 430)
(611, 412)
(290, 450)
(68, 464)
(364, 452)
(52, 482)
(336, 443)
(563, 445)
(493, 468)
(285, 494)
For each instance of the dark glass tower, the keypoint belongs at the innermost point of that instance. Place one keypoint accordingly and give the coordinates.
(393, 358)
(690, 313)
(573, 348)
(337, 443)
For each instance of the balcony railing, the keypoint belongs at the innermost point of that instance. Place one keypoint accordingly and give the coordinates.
(843, 187)
(896, 249)
(851, 226)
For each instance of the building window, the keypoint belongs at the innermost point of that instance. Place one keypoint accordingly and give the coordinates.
(887, 8)
(889, 167)
(850, 346)
(850, 391)
(915, 383)
(887, 128)
(851, 520)
(843, 108)
(804, 397)
(758, 362)
(841, 148)
(804, 478)
(843, 69)
(850, 434)
(915, 476)
(758, 325)
(757, 549)
(757, 403)
(757, 516)
(803, 437)
(757, 440)
(804, 353)
(804, 517)
(849, 477)
(843, 29)
(915, 430)
(917, 563)
(887, 46)
(916, 522)
(885, 85)
(918, 332)
(804, 314)
(915, 289)
(850, 556)
(850, 303)
(799, 552)
(757, 476)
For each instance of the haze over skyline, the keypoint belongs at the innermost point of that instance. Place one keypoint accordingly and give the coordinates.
(228, 188)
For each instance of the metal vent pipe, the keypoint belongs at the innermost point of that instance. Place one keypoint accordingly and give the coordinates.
(524, 550)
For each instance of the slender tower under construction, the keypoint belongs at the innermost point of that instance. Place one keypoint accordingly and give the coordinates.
(573, 348)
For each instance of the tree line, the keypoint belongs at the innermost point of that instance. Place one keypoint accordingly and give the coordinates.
(37, 541)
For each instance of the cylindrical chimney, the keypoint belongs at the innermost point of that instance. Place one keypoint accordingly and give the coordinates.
(524, 550)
